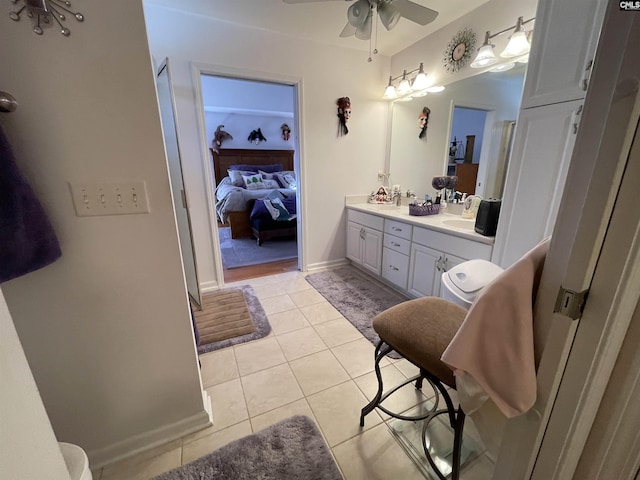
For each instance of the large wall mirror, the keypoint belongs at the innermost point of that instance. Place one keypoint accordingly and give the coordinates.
(483, 107)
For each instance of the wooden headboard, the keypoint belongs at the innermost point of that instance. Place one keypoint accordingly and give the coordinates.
(233, 156)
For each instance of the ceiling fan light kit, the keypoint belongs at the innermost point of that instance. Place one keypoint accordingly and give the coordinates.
(518, 46)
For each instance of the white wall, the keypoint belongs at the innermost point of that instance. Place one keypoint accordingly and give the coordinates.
(106, 328)
(28, 446)
(331, 166)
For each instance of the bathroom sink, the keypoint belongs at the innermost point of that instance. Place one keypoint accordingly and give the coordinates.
(460, 223)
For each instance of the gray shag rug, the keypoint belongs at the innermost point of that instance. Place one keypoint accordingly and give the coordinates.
(290, 450)
(357, 296)
(243, 252)
(259, 319)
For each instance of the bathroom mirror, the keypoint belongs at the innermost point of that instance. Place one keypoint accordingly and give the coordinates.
(493, 97)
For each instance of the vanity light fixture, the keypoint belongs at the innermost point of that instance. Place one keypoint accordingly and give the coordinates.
(43, 11)
(406, 87)
(519, 45)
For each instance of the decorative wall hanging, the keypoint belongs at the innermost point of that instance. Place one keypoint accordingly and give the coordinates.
(423, 122)
(459, 50)
(256, 137)
(42, 11)
(220, 136)
(286, 132)
(344, 113)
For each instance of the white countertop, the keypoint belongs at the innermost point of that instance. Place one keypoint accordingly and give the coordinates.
(437, 222)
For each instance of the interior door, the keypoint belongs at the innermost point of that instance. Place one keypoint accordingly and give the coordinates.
(179, 194)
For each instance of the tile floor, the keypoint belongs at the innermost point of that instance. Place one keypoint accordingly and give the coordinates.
(315, 363)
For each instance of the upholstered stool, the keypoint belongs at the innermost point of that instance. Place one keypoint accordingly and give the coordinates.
(420, 331)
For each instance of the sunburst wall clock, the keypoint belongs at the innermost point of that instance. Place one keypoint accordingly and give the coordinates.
(44, 12)
(459, 50)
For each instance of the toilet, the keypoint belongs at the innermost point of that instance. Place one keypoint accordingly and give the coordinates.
(76, 461)
(463, 282)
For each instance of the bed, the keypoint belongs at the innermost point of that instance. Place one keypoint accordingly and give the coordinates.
(234, 201)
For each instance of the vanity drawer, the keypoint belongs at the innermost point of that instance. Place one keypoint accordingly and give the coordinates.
(460, 247)
(366, 219)
(398, 229)
(395, 267)
(396, 243)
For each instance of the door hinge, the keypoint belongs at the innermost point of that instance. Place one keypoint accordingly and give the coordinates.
(570, 303)
(183, 195)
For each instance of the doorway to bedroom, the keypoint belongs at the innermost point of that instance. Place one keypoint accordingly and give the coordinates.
(251, 133)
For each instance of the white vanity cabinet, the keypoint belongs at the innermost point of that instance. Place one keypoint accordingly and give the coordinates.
(395, 252)
(433, 253)
(364, 240)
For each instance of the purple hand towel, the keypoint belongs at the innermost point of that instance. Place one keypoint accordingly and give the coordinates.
(27, 241)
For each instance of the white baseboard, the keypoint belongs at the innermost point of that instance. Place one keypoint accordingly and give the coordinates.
(314, 267)
(145, 441)
(207, 287)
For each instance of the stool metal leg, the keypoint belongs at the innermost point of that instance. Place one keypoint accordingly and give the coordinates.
(381, 350)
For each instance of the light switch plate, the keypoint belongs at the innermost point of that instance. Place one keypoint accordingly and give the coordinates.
(109, 198)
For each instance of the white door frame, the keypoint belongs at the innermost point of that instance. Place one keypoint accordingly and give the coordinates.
(548, 439)
(198, 69)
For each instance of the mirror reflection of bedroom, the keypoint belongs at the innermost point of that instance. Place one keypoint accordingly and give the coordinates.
(250, 128)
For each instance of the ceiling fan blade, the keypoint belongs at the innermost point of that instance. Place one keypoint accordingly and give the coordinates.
(363, 32)
(414, 12)
(348, 30)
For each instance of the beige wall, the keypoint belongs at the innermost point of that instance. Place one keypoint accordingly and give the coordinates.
(106, 328)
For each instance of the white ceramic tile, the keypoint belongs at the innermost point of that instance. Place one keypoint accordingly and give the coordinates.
(288, 321)
(301, 342)
(375, 455)
(406, 367)
(320, 312)
(318, 372)
(207, 444)
(357, 357)
(268, 290)
(227, 404)
(279, 303)
(299, 407)
(337, 411)
(145, 469)
(296, 284)
(269, 389)
(401, 400)
(218, 366)
(336, 332)
(258, 355)
(307, 297)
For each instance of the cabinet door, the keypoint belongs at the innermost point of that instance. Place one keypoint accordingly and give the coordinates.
(540, 159)
(372, 250)
(449, 261)
(562, 51)
(424, 270)
(354, 240)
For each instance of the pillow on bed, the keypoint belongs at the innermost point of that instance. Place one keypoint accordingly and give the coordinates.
(270, 183)
(277, 210)
(236, 177)
(253, 182)
(254, 168)
(259, 209)
(287, 179)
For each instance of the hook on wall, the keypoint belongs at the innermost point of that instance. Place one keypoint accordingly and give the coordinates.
(8, 103)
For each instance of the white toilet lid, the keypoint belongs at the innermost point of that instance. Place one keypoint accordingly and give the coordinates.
(473, 275)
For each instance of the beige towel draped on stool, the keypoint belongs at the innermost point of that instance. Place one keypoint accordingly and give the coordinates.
(494, 344)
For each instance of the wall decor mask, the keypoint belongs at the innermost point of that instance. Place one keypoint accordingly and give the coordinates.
(220, 136)
(256, 136)
(344, 113)
(423, 122)
(286, 132)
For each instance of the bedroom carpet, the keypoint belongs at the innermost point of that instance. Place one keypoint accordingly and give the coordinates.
(290, 450)
(243, 252)
(357, 296)
(229, 317)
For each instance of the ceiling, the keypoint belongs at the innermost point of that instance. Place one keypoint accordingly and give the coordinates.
(322, 21)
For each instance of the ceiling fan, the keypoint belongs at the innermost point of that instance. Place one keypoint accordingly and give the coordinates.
(360, 14)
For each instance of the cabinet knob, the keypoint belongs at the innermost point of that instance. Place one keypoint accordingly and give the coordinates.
(393, 268)
(395, 244)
